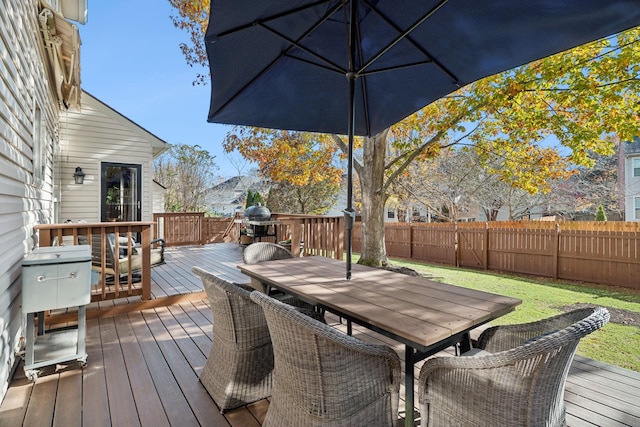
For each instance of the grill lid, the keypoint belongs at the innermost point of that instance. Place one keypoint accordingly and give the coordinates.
(257, 212)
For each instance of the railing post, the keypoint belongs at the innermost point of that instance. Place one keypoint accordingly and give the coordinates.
(296, 236)
(146, 263)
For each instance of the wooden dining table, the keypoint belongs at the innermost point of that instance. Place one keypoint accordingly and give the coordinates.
(426, 316)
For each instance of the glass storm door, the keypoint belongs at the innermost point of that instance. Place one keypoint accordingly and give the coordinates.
(121, 192)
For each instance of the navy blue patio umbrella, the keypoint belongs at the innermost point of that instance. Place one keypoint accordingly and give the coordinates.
(355, 67)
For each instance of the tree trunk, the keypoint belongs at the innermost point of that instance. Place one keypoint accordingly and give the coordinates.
(374, 197)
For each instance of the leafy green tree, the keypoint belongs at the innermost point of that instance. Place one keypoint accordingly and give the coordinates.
(253, 197)
(187, 173)
(601, 215)
(312, 199)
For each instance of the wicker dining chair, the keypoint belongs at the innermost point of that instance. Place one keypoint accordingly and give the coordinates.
(516, 379)
(266, 251)
(239, 367)
(323, 377)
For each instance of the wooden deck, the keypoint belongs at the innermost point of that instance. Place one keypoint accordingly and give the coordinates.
(145, 357)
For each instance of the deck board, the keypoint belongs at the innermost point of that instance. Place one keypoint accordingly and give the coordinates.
(143, 366)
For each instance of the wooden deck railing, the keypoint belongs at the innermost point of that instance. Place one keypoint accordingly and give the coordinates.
(95, 235)
(310, 234)
(313, 234)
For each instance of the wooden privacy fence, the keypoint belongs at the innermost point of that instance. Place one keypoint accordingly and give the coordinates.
(597, 252)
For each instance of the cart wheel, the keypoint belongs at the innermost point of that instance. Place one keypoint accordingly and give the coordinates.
(83, 362)
(32, 375)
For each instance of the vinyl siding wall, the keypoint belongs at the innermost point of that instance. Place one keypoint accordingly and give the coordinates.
(26, 197)
(88, 138)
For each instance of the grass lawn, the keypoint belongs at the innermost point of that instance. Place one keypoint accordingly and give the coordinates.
(616, 343)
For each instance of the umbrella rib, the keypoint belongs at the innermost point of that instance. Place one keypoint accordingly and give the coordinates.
(272, 18)
(295, 43)
(398, 67)
(284, 53)
(404, 35)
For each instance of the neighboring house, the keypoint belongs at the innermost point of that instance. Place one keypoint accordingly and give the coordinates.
(631, 179)
(116, 156)
(158, 192)
(228, 197)
(39, 74)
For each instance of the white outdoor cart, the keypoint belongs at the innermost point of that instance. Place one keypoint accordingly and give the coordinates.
(53, 278)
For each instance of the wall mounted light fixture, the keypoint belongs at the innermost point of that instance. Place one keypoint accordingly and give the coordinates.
(78, 175)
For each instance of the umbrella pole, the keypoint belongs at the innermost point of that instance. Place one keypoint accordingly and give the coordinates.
(349, 213)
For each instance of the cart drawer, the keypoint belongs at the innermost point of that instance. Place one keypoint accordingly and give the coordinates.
(56, 277)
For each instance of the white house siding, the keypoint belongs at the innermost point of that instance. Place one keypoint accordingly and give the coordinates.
(100, 134)
(25, 197)
(158, 197)
(631, 183)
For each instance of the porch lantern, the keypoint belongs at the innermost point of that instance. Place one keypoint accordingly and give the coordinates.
(78, 175)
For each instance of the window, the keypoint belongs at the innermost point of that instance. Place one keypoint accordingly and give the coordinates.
(121, 192)
(39, 153)
(637, 207)
(636, 167)
(391, 214)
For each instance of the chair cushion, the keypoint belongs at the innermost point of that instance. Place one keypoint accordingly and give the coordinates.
(136, 261)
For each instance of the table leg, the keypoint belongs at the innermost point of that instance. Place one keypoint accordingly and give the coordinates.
(408, 386)
(465, 343)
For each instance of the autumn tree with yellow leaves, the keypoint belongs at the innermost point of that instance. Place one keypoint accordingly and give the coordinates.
(586, 98)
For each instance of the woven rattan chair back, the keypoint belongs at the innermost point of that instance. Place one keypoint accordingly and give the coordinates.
(239, 367)
(520, 381)
(264, 251)
(323, 377)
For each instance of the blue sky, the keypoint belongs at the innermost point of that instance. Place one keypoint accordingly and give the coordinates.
(130, 60)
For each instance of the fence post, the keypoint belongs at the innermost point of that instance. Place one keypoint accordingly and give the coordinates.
(410, 240)
(485, 258)
(202, 228)
(556, 252)
(456, 243)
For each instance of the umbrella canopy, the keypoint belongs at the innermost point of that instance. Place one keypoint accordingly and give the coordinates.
(301, 65)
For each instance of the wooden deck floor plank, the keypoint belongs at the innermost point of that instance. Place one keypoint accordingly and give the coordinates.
(585, 381)
(259, 409)
(145, 395)
(193, 354)
(175, 405)
(199, 400)
(42, 402)
(186, 314)
(624, 379)
(603, 409)
(242, 417)
(69, 398)
(573, 421)
(586, 414)
(95, 401)
(206, 316)
(122, 407)
(174, 283)
(16, 401)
